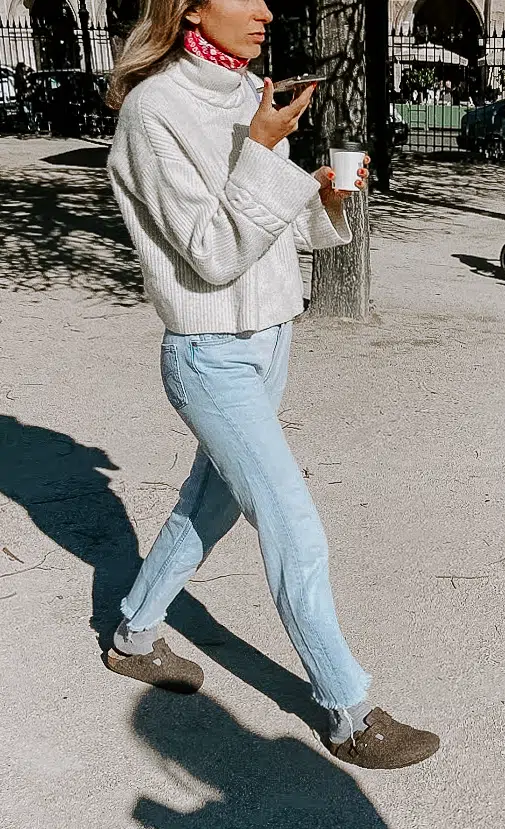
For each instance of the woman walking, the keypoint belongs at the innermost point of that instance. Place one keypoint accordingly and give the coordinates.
(200, 168)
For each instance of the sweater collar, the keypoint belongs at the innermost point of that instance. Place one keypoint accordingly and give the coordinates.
(203, 77)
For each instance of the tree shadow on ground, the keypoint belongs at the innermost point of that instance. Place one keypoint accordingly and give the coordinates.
(481, 266)
(428, 194)
(453, 182)
(61, 485)
(448, 204)
(247, 780)
(63, 228)
(95, 157)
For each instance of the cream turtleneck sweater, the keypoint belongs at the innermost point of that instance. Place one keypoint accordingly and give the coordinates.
(216, 218)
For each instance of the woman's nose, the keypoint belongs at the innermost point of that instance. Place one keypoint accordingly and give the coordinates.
(263, 13)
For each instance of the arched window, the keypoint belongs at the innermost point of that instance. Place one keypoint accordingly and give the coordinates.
(454, 24)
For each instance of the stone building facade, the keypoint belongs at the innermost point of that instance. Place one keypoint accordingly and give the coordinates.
(486, 15)
(20, 10)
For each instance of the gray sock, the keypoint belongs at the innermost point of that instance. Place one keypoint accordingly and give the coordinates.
(340, 727)
(134, 643)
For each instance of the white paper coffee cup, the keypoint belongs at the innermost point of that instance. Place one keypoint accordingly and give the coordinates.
(345, 164)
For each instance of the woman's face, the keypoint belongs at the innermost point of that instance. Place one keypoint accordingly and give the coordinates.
(237, 27)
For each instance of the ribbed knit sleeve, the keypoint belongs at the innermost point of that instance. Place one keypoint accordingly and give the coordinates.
(221, 235)
(317, 228)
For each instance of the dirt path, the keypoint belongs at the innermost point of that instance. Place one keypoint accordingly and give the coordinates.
(399, 426)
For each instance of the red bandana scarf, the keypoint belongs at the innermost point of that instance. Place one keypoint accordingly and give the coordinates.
(197, 45)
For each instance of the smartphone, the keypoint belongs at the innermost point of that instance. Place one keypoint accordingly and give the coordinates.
(300, 80)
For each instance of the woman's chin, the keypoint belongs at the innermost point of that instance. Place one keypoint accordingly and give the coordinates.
(250, 52)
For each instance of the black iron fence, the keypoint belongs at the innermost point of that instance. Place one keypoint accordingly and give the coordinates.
(446, 88)
(53, 79)
(447, 92)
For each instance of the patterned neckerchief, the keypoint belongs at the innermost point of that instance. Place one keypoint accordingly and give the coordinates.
(197, 45)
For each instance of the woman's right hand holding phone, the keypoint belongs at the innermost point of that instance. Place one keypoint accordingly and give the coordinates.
(270, 125)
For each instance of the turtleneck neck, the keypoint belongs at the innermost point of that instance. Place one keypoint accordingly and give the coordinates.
(209, 82)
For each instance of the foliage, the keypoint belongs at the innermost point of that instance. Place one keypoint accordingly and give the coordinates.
(417, 79)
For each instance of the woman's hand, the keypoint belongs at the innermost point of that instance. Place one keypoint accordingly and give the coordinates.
(270, 125)
(331, 197)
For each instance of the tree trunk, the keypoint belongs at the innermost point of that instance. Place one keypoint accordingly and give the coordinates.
(377, 56)
(341, 276)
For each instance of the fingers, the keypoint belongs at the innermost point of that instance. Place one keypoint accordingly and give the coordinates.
(364, 175)
(297, 107)
(267, 99)
(367, 160)
(299, 90)
(324, 176)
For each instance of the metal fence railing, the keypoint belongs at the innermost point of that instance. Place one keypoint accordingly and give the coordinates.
(446, 88)
(447, 92)
(45, 82)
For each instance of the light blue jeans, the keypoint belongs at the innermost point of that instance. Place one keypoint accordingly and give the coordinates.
(227, 389)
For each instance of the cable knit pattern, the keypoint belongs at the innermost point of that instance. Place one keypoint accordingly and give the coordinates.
(257, 213)
(215, 217)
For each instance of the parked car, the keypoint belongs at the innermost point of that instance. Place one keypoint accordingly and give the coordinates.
(482, 131)
(69, 102)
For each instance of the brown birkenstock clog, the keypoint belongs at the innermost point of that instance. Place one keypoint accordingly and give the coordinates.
(385, 744)
(162, 668)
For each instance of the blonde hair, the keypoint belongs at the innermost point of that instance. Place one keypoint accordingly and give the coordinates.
(152, 44)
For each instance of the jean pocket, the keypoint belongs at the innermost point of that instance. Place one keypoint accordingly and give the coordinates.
(171, 376)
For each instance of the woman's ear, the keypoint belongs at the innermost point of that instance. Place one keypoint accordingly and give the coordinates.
(193, 18)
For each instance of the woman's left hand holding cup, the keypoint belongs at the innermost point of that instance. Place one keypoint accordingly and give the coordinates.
(331, 197)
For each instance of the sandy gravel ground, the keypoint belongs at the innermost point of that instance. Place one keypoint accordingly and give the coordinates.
(399, 426)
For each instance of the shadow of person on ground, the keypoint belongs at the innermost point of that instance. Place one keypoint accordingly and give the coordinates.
(291, 693)
(248, 780)
(481, 266)
(60, 484)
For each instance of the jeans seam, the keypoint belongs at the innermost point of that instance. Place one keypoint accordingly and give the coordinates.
(274, 500)
(276, 348)
(182, 535)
